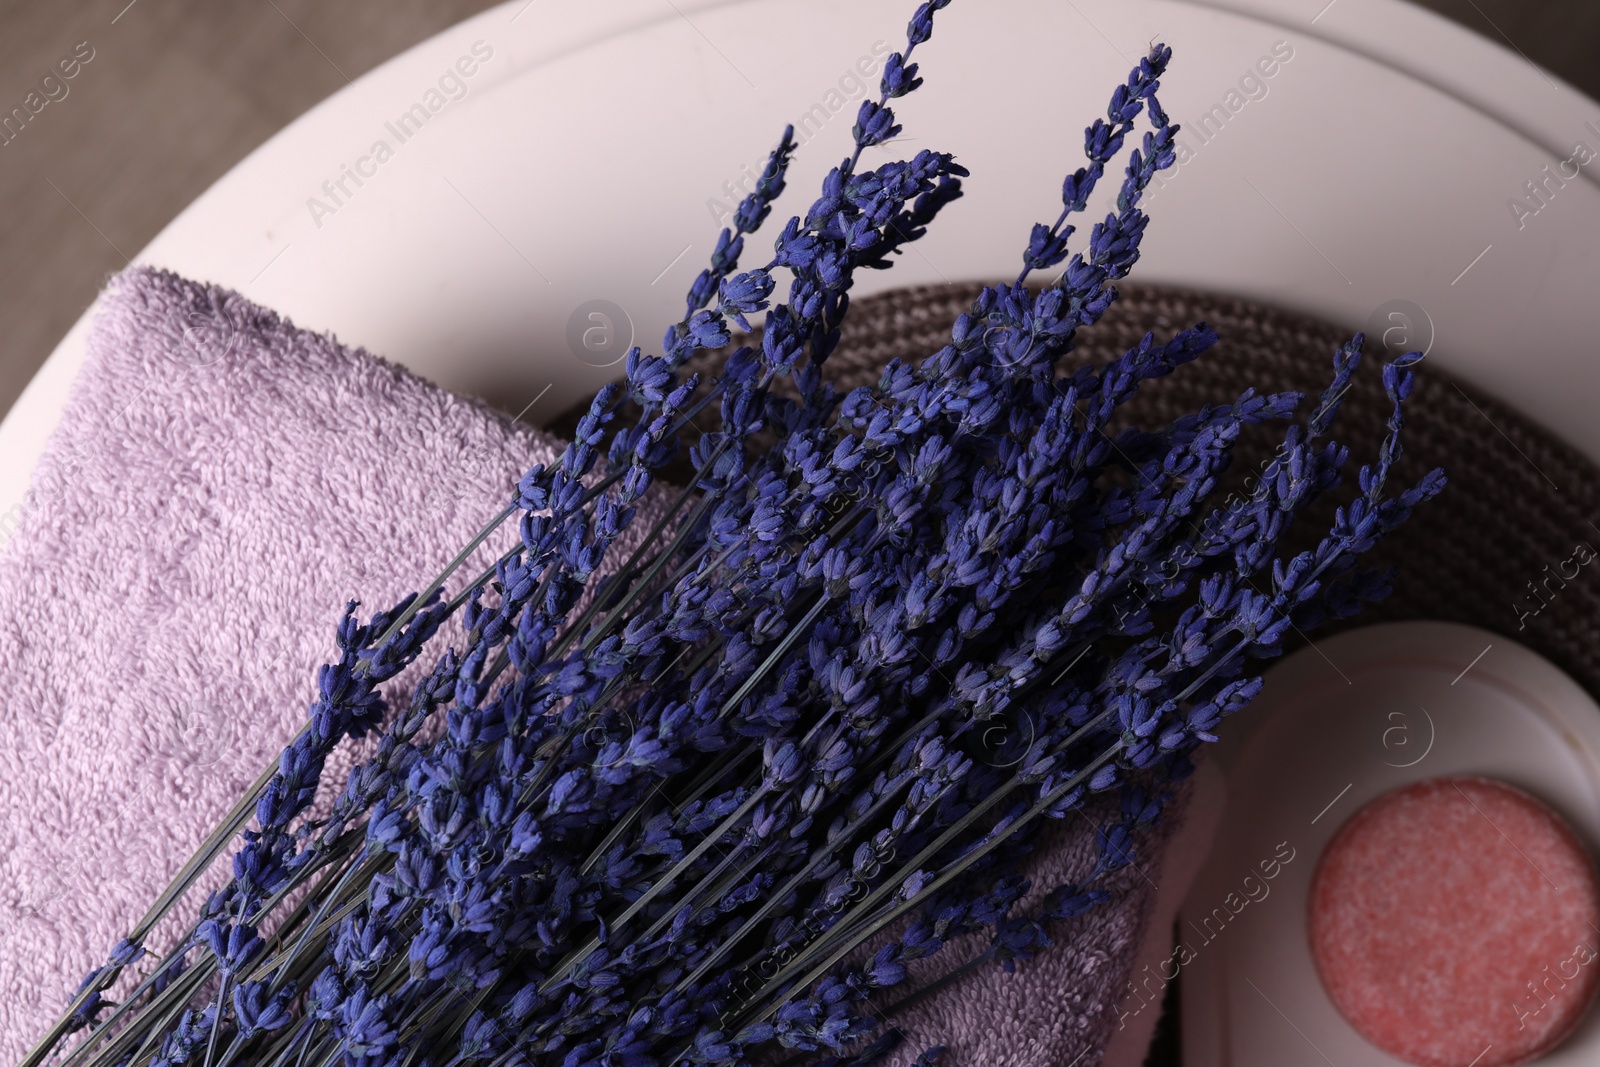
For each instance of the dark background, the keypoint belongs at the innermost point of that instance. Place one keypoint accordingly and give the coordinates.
(181, 90)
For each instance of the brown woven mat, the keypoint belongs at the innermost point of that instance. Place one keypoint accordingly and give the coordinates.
(1518, 504)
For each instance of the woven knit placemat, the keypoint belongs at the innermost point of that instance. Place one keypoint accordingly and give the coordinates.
(1483, 553)
(1519, 500)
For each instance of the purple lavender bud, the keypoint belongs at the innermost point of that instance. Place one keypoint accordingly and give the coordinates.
(921, 26)
(257, 1010)
(874, 124)
(899, 78)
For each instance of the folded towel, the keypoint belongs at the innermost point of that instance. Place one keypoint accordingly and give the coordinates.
(220, 483)
(1072, 1005)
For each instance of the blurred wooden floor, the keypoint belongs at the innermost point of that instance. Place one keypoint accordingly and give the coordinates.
(179, 91)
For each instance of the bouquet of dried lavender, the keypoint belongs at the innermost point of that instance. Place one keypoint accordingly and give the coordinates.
(714, 802)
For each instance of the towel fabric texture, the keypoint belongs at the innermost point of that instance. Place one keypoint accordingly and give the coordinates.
(219, 485)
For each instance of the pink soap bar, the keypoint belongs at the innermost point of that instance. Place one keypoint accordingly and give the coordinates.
(1456, 922)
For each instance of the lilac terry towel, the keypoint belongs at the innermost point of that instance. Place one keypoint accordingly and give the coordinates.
(219, 485)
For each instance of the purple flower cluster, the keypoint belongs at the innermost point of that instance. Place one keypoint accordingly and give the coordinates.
(718, 800)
